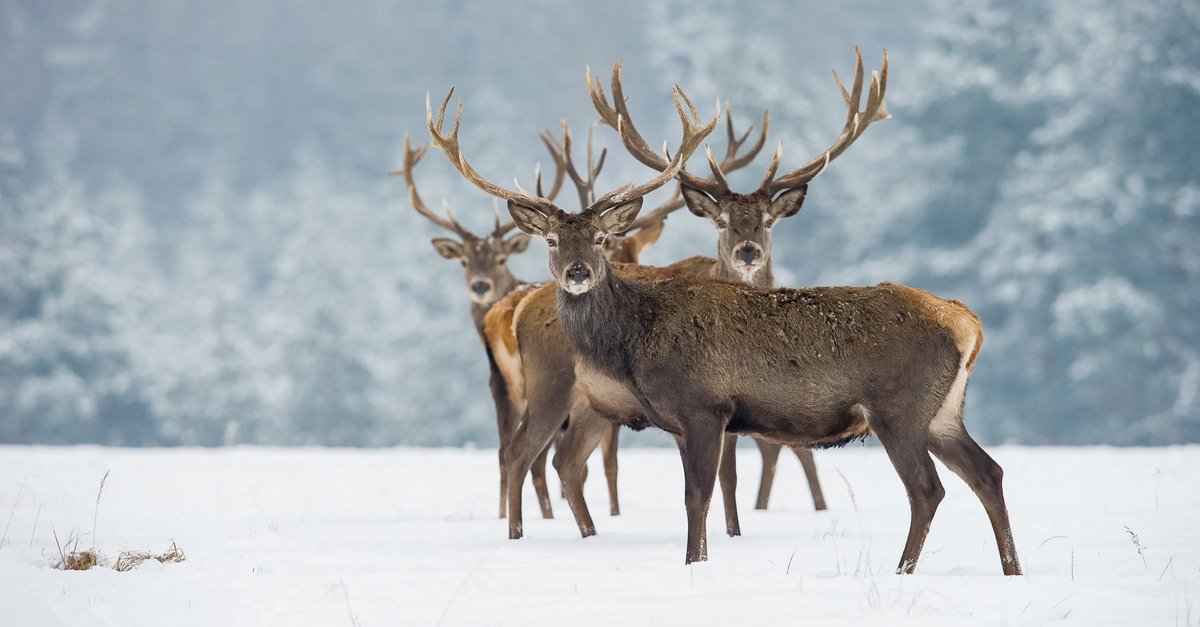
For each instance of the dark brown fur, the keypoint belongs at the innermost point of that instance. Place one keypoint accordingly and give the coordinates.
(803, 367)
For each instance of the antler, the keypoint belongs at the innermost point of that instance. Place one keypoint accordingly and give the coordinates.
(694, 133)
(411, 157)
(450, 146)
(613, 114)
(672, 204)
(856, 123)
(561, 153)
(559, 174)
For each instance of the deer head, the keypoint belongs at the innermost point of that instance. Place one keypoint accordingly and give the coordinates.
(484, 257)
(576, 241)
(744, 221)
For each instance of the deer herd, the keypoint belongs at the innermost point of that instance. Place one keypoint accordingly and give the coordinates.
(705, 349)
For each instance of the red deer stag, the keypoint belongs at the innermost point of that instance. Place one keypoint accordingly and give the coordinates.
(485, 268)
(803, 367)
(541, 347)
(498, 323)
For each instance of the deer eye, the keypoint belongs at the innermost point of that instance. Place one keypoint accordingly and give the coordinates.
(722, 224)
(770, 222)
(552, 243)
(599, 240)
(501, 260)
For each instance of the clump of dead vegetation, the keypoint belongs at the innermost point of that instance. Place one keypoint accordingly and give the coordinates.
(128, 560)
(71, 558)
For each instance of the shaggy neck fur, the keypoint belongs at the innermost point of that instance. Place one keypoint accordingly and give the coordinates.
(604, 322)
(723, 271)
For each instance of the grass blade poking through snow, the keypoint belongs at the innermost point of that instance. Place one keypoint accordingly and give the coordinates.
(96, 512)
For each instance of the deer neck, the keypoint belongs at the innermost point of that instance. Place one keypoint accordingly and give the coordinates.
(722, 271)
(605, 322)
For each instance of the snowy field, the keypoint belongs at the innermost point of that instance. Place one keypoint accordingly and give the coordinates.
(409, 537)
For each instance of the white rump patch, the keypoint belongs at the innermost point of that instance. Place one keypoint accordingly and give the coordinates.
(947, 422)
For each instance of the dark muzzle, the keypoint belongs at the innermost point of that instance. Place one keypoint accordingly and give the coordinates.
(578, 273)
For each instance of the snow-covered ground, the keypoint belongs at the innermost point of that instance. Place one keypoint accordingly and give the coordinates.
(410, 537)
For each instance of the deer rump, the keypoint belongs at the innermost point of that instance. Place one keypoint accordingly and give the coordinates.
(825, 357)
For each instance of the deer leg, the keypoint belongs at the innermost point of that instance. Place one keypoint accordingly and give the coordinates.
(608, 448)
(558, 438)
(570, 460)
(727, 475)
(503, 482)
(770, 457)
(700, 446)
(538, 472)
(965, 458)
(505, 413)
(909, 454)
(529, 441)
(810, 472)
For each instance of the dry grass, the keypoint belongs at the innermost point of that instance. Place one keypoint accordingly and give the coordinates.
(129, 560)
(71, 558)
(74, 559)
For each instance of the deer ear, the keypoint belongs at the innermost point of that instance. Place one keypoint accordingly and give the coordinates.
(528, 219)
(516, 244)
(448, 248)
(620, 218)
(699, 202)
(788, 203)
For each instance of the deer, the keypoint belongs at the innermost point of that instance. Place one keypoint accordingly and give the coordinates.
(808, 367)
(498, 323)
(542, 341)
(744, 223)
(484, 260)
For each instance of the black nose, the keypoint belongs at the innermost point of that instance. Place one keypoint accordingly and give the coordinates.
(480, 287)
(578, 273)
(747, 254)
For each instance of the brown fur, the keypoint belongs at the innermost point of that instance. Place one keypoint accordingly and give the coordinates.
(803, 367)
(963, 324)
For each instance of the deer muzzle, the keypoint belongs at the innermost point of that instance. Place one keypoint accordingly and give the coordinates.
(578, 278)
(480, 289)
(748, 256)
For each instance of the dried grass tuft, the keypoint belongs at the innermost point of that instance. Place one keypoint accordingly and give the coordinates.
(78, 560)
(129, 560)
(74, 559)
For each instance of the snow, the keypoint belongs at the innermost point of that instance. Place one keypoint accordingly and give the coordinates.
(409, 536)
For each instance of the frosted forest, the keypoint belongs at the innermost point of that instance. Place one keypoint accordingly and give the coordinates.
(200, 243)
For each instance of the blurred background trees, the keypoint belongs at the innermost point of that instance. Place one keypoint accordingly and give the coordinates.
(199, 243)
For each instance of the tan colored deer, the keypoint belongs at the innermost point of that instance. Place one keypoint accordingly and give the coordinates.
(485, 267)
(803, 367)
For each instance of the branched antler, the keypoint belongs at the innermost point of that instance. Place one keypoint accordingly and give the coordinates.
(561, 153)
(617, 113)
(694, 132)
(857, 121)
(450, 146)
(411, 158)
